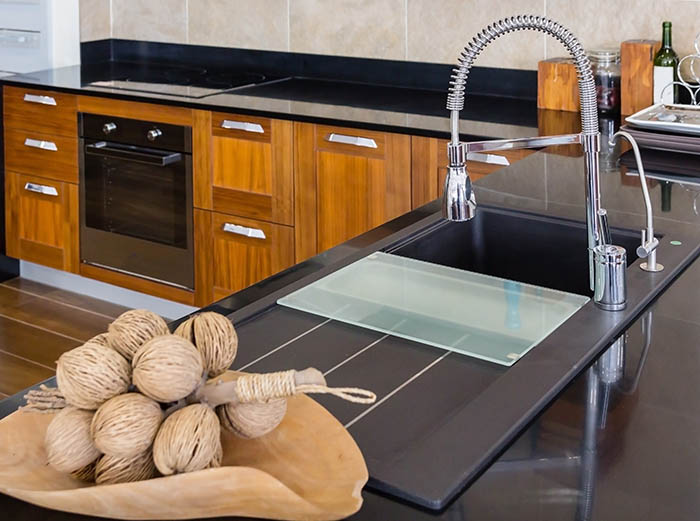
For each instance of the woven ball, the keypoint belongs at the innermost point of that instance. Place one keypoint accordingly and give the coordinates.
(252, 420)
(100, 339)
(125, 470)
(90, 375)
(86, 473)
(134, 328)
(188, 440)
(167, 368)
(68, 443)
(126, 425)
(214, 337)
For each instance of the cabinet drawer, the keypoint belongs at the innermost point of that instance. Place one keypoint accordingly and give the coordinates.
(46, 155)
(251, 172)
(242, 251)
(41, 111)
(42, 221)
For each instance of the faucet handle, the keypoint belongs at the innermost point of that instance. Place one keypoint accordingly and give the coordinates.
(604, 227)
(647, 246)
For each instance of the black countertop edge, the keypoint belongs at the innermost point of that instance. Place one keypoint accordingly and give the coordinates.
(419, 75)
(489, 109)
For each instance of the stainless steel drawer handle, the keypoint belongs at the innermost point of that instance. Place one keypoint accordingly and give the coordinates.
(36, 98)
(242, 125)
(38, 143)
(352, 140)
(41, 189)
(253, 233)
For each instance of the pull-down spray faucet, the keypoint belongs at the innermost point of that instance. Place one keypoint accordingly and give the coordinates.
(459, 201)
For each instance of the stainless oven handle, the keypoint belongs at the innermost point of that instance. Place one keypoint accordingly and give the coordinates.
(254, 233)
(104, 149)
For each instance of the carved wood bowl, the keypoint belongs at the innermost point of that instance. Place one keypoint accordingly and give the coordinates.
(308, 468)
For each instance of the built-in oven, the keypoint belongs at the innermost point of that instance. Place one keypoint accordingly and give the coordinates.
(136, 198)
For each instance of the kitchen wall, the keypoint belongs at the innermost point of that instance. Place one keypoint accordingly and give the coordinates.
(416, 30)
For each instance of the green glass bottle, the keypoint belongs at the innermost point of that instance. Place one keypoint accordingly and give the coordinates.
(665, 69)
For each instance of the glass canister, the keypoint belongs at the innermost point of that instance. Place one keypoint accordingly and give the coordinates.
(606, 71)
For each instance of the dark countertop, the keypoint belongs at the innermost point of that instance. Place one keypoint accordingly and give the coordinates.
(414, 111)
(632, 456)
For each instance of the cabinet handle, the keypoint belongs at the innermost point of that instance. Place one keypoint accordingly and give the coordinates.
(36, 98)
(253, 233)
(38, 143)
(41, 189)
(352, 140)
(242, 125)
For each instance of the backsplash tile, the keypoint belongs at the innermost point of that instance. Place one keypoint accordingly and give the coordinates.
(95, 20)
(161, 21)
(438, 30)
(366, 28)
(250, 24)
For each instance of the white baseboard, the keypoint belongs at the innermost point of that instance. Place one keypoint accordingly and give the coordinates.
(101, 290)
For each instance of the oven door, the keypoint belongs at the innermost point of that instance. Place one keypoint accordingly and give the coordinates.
(136, 211)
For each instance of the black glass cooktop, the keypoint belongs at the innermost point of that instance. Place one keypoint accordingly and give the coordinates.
(190, 82)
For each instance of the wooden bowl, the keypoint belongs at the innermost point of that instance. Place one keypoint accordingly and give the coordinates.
(308, 468)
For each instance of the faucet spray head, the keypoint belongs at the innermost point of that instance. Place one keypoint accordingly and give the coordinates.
(458, 200)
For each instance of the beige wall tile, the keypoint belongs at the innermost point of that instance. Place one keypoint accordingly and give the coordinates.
(601, 22)
(95, 23)
(161, 21)
(367, 28)
(438, 30)
(251, 24)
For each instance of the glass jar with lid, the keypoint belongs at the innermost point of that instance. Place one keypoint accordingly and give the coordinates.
(606, 72)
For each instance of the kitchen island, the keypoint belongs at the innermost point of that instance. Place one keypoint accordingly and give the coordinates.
(609, 446)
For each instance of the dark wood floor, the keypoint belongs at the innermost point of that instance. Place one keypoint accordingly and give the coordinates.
(38, 323)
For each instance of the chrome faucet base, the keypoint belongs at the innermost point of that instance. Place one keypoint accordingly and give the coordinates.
(655, 269)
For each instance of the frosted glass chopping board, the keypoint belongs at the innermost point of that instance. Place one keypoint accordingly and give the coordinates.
(478, 315)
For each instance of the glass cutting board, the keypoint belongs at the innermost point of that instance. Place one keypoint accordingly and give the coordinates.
(478, 315)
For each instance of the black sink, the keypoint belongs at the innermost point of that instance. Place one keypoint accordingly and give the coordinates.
(526, 248)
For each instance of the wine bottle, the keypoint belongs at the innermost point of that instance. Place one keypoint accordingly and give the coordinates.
(665, 69)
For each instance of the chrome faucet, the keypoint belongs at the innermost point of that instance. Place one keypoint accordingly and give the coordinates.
(459, 202)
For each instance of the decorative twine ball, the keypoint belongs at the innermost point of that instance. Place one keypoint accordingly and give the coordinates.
(125, 470)
(126, 425)
(100, 339)
(167, 368)
(134, 328)
(90, 375)
(214, 337)
(252, 420)
(68, 443)
(188, 440)
(86, 473)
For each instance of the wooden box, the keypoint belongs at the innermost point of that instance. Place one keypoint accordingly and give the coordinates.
(637, 81)
(557, 85)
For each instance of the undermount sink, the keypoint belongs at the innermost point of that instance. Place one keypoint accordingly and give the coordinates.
(491, 288)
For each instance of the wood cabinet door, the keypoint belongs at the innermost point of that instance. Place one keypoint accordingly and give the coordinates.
(233, 253)
(42, 221)
(250, 174)
(347, 181)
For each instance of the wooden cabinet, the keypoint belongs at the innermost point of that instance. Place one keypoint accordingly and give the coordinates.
(347, 181)
(40, 111)
(42, 221)
(234, 252)
(249, 173)
(429, 167)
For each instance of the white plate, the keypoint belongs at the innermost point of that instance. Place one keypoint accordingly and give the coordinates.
(687, 118)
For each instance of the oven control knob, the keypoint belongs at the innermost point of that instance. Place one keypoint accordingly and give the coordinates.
(153, 134)
(108, 128)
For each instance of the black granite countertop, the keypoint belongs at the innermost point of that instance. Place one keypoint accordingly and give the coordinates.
(610, 446)
(411, 110)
